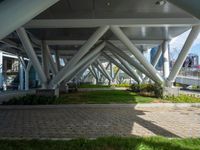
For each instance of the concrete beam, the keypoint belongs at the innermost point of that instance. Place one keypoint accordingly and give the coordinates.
(90, 23)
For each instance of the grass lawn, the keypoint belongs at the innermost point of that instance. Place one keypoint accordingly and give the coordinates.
(93, 86)
(108, 143)
(104, 97)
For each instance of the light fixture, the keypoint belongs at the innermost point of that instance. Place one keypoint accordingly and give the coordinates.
(161, 2)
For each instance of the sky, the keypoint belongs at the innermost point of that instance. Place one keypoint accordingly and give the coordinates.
(177, 43)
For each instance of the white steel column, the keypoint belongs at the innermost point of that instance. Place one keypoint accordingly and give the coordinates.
(31, 54)
(104, 70)
(21, 76)
(15, 13)
(100, 70)
(128, 67)
(125, 40)
(82, 51)
(86, 61)
(50, 58)
(165, 59)
(117, 64)
(130, 60)
(157, 56)
(56, 81)
(28, 67)
(57, 57)
(183, 54)
(1, 69)
(45, 60)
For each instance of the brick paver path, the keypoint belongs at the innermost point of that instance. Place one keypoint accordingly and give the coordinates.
(92, 121)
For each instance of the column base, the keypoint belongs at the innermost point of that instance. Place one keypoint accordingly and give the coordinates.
(171, 91)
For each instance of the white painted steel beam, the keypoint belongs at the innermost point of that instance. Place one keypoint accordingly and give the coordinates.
(45, 60)
(104, 70)
(117, 64)
(166, 60)
(50, 58)
(85, 62)
(125, 40)
(183, 54)
(1, 69)
(129, 68)
(157, 56)
(63, 74)
(130, 60)
(15, 13)
(31, 54)
(90, 23)
(28, 67)
(100, 70)
(82, 51)
(116, 42)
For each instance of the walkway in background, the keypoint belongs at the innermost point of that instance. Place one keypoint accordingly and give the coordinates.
(74, 121)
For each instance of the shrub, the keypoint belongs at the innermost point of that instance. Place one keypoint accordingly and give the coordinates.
(30, 100)
(182, 98)
(155, 90)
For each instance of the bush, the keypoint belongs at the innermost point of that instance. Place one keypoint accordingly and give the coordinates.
(31, 100)
(182, 98)
(155, 90)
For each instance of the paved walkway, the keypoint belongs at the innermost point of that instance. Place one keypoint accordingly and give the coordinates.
(92, 121)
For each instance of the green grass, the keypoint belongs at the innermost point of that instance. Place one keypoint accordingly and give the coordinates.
(182, 99)
(108, 143)
(104, 97)
(93, 86)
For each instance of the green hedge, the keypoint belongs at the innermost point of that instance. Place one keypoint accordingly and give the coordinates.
(31, 100)
(155, 90)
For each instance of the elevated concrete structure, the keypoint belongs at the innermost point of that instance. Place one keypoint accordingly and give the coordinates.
(55, 31)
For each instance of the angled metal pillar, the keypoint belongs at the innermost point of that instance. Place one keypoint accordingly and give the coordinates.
(117, 64)
(57, 57)
(31, 54)
(128, 67)
(92, 72)
(116, 74)
(64, 74)
(21, 76)
(100, 70)
(50, 58)
(1, 69)
(45, 60)
(85, 62)
(15, 13)
(129, 60)
(104, 70)
(157, 56)
(165, 59)
(183, 54)
(28, 67)
(82, 51)
(125, 40)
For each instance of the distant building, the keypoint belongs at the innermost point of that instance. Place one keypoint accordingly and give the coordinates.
(192, 61)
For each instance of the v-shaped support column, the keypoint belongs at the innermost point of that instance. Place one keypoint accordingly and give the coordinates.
(61, 75)
(125, 40)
